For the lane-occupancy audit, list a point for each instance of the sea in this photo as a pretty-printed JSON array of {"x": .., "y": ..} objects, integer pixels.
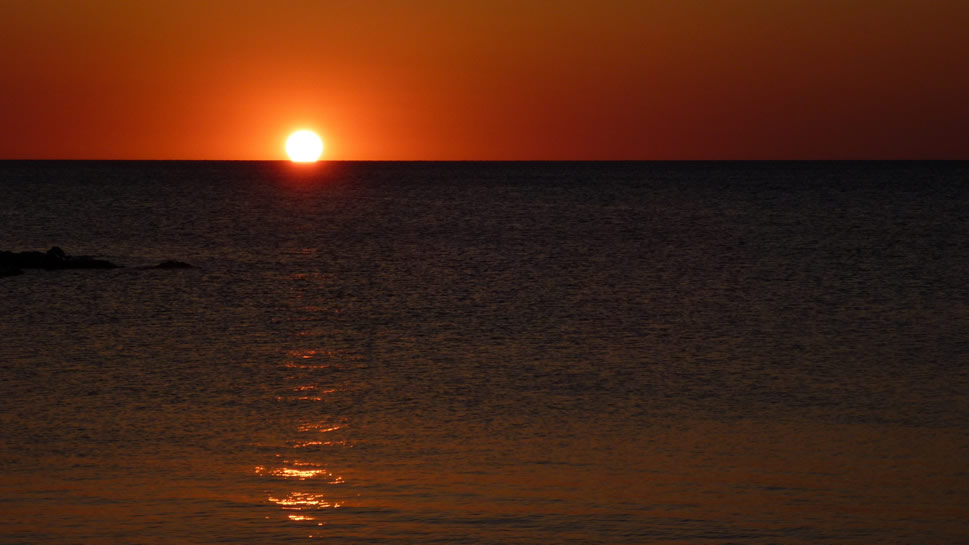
[{"x": 487, "y": 353}]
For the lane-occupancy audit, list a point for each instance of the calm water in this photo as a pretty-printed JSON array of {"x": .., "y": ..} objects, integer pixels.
[{"x": 487, "y": 353}]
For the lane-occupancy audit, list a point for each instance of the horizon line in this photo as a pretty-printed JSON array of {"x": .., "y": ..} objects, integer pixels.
[{"x": 324, "y": 161}]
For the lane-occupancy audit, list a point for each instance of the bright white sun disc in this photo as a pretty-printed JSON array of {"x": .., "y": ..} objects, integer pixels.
[{"x": 304, "y": 146}]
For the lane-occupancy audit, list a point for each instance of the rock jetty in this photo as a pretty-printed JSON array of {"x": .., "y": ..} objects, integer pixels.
[
  {"x": 13, "y": 263},
  {"x": 172, "y": 264}
]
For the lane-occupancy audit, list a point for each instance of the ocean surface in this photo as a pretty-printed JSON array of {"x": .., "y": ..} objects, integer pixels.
[{"x": 487, "y": 353}]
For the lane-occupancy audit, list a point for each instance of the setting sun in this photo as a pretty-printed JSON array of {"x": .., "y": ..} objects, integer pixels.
[{"x": 304, "y": 146}]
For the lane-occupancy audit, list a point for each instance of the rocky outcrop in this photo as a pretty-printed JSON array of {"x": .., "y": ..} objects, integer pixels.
[
  {"x": 172, "y": 264},
  {"x": 13, "y": 263},
  {"x": 9, "y": 271},
  {"x": 52, "y": 259}
]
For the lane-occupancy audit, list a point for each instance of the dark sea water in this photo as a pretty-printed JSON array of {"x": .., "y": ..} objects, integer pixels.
[{"x": 487, "y": 353}]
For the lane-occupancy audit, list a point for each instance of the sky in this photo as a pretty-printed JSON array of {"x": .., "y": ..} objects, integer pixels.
[{"x": 486, "y": 80}]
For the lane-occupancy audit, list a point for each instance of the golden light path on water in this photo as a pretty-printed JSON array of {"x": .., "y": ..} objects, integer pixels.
[{"x": 302, "y": 504}]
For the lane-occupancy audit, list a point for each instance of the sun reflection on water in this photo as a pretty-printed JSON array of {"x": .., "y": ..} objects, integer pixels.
[
  {"x": 299, "y": 501},
  {"x": 301, "y": 471},
  {"x": 320, "y": 427},
  {"x": 310, "y": 378},
  {"x": 320, "y": 397},
  {"x": 300, "y": 504},
  {"x": 318, "y": 359},
  {"x": 307, "y": 444}
]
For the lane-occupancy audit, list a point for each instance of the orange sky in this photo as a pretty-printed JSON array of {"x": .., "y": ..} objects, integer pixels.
[{"x": 490, "y": 79}]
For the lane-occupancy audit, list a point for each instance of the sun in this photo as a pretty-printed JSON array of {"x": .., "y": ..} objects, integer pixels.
[{"x": 304, "y": 146}]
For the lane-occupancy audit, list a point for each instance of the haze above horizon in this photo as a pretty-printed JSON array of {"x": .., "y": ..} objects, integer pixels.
[{"x": 497, "y": 80}]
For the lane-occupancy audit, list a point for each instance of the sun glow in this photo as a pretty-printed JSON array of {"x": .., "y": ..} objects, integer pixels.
[{"x": 304, "y": 146}]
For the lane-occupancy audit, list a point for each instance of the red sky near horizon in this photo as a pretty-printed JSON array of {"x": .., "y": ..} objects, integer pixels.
[{"x": 490, "y": 79}]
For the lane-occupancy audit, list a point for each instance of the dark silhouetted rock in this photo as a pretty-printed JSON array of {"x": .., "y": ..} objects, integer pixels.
[
  {"x": 56, "y": 253},
  {"x": 7, "y": 259},
  {"x": 55, "y": 258},
  {"x": 172, "y": 264},
  {"x": 9, "y": 271},
  {"x": 26, "y": 260}
]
